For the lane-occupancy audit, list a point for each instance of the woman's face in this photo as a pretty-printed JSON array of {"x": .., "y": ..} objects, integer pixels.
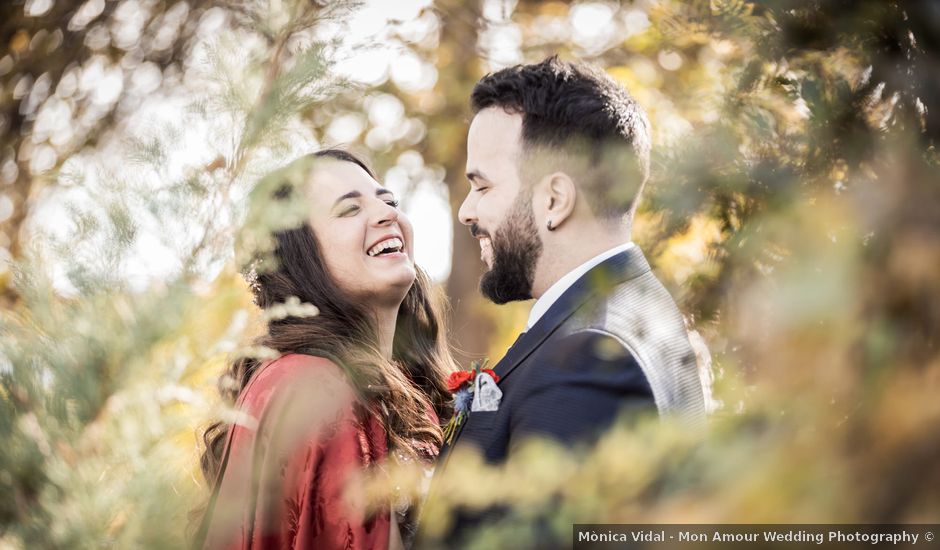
[{"x": 366, "y": 241}]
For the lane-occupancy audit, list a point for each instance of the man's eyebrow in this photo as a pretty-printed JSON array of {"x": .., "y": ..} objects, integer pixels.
[
  {"x": 350, "y": 195},
  {"x": 474, "y": 175}
]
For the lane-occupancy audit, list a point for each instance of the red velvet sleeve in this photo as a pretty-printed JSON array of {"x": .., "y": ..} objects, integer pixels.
[{"x": 285, "y": 483}]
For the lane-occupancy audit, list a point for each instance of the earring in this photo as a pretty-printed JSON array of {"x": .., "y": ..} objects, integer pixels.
[{"x": 549, "y": 226}]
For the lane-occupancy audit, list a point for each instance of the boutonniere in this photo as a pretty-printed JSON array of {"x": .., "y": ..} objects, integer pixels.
[{"x": 466, "y": 387}]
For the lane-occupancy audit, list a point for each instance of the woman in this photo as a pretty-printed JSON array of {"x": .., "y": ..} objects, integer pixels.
[{"x": 361, "y": 379}]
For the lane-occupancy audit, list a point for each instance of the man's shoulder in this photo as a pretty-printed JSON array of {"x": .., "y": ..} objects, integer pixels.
[
  {"x": 580, "y": 353},
  {"x": 642, "y": 316},
  {"x": 636, "y": 312}
]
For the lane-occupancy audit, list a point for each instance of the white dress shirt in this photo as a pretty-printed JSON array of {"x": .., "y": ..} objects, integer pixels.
[{"x": 561, "y": 285}]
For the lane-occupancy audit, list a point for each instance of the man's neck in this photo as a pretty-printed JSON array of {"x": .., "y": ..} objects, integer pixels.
[
  {"x": 560, "y": 286},
  {"x": 561, "y": 257}
]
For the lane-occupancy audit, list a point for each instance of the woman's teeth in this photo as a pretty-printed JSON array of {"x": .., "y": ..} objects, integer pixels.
[{"x": 393, "y": 244}]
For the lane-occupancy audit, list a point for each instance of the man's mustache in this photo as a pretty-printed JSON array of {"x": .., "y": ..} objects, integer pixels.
[{"x": 476, "y": 232}]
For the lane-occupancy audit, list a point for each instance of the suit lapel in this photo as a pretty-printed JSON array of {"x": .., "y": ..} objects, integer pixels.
[{"x": 599, "y": 281}]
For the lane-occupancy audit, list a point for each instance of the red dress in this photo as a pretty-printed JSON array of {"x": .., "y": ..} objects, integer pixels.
[{"x": 289, "y": 460}]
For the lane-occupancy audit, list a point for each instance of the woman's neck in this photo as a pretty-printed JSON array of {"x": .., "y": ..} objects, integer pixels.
[{"x": 385, "y": 325}]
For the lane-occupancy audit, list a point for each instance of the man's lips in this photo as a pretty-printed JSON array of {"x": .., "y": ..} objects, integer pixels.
[
  {"x": 486, "y": 244},
  {"x": 478, "y": 233}
]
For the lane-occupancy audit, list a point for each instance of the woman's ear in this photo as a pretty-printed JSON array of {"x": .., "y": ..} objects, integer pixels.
[{"x": 559, "y": 199}]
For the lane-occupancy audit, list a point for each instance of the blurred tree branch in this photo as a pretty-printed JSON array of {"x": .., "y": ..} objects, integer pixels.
[{"x": 46, "y": 47}]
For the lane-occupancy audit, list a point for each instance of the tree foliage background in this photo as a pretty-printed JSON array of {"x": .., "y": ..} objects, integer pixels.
[{"x": 793, "y": 214}]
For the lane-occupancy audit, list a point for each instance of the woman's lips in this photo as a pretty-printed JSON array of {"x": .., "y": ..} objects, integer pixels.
[{"x": 390, "y": 256}]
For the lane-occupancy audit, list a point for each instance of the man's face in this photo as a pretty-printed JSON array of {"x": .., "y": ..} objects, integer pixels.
[{"x": 498, "y": 209}]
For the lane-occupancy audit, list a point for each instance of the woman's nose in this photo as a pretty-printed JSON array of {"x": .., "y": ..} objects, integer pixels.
[{"x": 386, "y": 214}]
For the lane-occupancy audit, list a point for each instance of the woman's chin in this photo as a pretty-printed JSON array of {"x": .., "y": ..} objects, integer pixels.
[
  {"x": 405, "y": 279},
  {"x": 393, "y": 287}
]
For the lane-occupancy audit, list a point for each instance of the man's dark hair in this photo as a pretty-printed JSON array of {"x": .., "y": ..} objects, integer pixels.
[{"x": 577, "y": 109}]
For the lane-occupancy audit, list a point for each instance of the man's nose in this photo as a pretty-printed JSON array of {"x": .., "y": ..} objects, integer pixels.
[{"x": 467, "y": 214}]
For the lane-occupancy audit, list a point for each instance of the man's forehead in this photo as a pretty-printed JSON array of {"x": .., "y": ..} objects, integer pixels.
[
  {"x": 494, "y": 136},
  {"x": 495, "y": 119}
]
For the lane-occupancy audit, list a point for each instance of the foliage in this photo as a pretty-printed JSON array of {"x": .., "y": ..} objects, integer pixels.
[
  {"x": 106, "y": 376},
  {"x": 792, "y": 214},
  {"x": 68, "y": 71}
]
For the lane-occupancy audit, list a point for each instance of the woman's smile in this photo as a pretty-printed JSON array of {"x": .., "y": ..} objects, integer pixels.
[{"x": 352, "y": 211}]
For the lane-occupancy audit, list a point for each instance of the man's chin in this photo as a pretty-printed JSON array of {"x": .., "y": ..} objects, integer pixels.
[{"x": 500, "y": 291}]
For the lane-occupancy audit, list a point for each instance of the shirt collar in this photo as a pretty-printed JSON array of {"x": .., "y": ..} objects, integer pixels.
[{"x": 561, "y": 285}]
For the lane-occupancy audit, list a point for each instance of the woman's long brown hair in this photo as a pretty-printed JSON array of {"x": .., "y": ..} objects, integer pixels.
[{"x": 399, "y": 392}]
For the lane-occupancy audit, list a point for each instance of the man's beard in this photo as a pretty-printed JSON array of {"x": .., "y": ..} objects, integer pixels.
[{"x": 516, "y": 249}]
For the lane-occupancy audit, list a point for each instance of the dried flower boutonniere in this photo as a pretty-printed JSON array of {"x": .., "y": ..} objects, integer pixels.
[{"x": 462, "y": 384}]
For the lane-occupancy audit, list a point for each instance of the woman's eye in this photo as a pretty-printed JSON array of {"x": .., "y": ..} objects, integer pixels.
[
  {"x": 392, "y": 202},
  {"x": 350, "y": 210}
]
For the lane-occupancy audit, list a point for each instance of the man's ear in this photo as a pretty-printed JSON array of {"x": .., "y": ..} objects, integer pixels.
[{"x": 559, "y": 198}]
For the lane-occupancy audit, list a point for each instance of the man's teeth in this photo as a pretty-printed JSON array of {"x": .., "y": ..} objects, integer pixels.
[
  {"x": 485, "y": 247},
  {"x": 393, "y": 244}
]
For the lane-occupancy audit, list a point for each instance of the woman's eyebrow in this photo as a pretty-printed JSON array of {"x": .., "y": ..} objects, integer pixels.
[
  {"x": 357, "y": 194},
  {"x": 350, "y": 195}
]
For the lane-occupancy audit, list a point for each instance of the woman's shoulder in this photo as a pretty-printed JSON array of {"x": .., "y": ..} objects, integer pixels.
[
  {"x": 293, "y": 366},
  {"x": 304, "y": 376}
]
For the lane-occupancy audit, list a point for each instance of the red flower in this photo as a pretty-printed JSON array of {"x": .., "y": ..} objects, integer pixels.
[{"x": 456, "y": 380}]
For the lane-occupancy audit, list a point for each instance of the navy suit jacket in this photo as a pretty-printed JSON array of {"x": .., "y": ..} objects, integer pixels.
[{"x": 613, "y": 342}]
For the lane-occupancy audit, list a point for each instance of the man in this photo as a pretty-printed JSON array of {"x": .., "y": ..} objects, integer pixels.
[{"x": 557, "y": 155}]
